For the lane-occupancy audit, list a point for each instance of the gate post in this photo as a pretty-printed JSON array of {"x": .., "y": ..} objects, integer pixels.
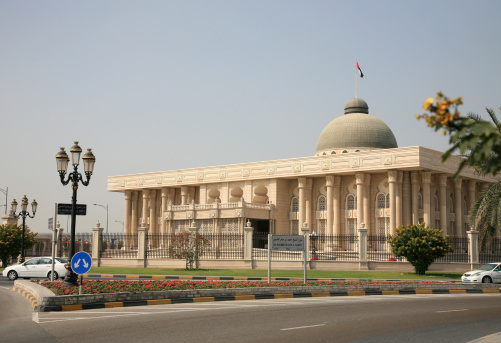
[
  {"x": 473, "y": 248},
  {"x": 248, "y": 232},
  {"x": 362, "y": 248},
  {"x": 59, "y": 240},
  {"x": 97, "y": 244},
  {"x": 193, "y": 230},
  {"x": 142, "y": 244}
]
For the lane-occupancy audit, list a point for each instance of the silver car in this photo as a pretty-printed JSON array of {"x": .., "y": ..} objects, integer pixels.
[{"x": 39, "y": 267}]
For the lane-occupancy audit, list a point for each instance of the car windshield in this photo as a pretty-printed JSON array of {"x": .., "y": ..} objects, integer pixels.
[{"x": 489, "y": 266}]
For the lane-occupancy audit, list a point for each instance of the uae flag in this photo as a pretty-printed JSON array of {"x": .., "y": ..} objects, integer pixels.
[{"x": 360, "y": 70}]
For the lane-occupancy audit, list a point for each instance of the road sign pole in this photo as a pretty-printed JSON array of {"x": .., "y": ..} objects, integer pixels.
[
  {"x": 269, "y": 258},
  {"x": 305, "y": 254}
]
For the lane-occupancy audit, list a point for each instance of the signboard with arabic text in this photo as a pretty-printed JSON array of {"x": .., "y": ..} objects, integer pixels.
[{"x": 287, "y": 242}]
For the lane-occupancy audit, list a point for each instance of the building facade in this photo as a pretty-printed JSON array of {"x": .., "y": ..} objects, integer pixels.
[{"x": 358, "y": 175}]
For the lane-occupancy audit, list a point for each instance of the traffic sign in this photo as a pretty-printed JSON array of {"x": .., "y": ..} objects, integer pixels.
[
  {"x": 81, "y": 262},
  {"x": 66, "y": 209},
  {"x": 51, "y": 224}
]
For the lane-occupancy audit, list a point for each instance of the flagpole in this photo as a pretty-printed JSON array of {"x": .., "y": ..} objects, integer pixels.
[{"x": 356, "y": 83}]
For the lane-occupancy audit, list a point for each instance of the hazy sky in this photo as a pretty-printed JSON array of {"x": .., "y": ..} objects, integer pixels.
[{"x": 161, "y": 85}]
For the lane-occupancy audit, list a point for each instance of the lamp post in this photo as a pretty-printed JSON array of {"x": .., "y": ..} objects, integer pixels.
[
  {"x": 106, "y": 208},
  {"x": 6, "y": 192},
  {"x": 75, "y": 177},
  {"x": 121, "y": 222},
  {"x": 24, "y": 213},
  {"x": 313, "y": 237}
]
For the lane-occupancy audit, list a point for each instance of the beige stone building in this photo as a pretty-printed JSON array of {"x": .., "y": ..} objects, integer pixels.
[{"x": 358, "y": 174}]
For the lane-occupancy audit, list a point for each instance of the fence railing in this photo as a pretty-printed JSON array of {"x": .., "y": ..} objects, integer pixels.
[
  {"x": 118, "y": 245},
  {"x": 492, "y": 251}
]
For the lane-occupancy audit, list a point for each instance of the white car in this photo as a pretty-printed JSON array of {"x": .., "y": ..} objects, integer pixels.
[
  {"x": 490, "y": 273},
  {"x": 37, "y": 267}
]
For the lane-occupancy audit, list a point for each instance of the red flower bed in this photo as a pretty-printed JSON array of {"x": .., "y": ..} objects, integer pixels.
[{"x": 116, "y": 286}]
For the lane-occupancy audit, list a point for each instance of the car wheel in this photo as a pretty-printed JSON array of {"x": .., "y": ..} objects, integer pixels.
[
  {"x": 486, "y": 279},
  {"x": 12, "y": 275},
  {"x": 55, "y": 276}
]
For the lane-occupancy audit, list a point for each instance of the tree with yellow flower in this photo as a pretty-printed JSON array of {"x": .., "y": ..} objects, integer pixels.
[
  {"x": 479, "y": 143},
  {"x": 420, "y": 245},
  {"x": 10, "y": 242}
]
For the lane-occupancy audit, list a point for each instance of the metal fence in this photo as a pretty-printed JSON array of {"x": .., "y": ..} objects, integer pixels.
[
  {"x": 491, "y": 252},
  {"x": 225, "y": 246},
  {"x": 118, "y": 245},
  {"x": 83, "y": 242}
]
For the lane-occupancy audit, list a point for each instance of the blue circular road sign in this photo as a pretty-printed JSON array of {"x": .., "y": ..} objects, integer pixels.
[{"x": 81, "y": 262}]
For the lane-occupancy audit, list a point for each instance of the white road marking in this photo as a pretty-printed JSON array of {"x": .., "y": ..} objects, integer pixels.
[
  {"x": 465, "y": 309},
  {"x": 302, "y": 327}
]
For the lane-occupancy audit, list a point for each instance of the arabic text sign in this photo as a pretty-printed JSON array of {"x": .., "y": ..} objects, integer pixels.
[{"x": 287, "y": 243}]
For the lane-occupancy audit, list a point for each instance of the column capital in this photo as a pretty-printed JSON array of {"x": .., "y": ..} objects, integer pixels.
[
  {"x": 165, "y": 192},
  {"x": 392, "y": 176},
  {"x": 301, "y": 182},
  {"x": 152, "y": 192},
  {"x": 145, "y": 193},
  {"x": 400, "y": 176},
  {"x": 426, "y": 177},
  {"x": 442, "y": 180},
  {"x": 127, "y": 195},
  {"x": 184, "y": 190},
  {"x": 414, "y": 177},
  {"x": 135, "y": 195},
  {"x": 458, "y": 183},
  {"x": 337, "y": 181},
  {"x": 329, "y": 180},
  {"x": 359, "y": 178},
  {"x": 471, "y": 185},
  {"x": 309, "y": 183}
]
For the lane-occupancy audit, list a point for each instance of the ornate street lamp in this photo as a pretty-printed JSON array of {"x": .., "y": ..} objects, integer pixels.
[
  {"x": 75, "y": 177},
  {"x": 23, "y": 213}
]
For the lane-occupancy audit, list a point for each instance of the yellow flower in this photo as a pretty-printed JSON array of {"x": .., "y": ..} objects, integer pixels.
[
  {"x": 428, "y": 103},
  {"x": 418, "y": 116}
]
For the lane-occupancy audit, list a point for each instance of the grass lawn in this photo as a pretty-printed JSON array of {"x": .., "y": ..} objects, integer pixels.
[{"x": 371, "y": 275}]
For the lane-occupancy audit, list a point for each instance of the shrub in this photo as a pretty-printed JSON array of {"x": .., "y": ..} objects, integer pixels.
[{"x": 420, "y": 245}]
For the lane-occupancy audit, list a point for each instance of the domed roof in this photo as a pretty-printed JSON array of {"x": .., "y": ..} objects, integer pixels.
[{"x": 356, "y": 129}]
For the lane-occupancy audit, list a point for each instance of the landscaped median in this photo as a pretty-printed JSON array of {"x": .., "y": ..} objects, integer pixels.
[{"x": 112, "y": 295}]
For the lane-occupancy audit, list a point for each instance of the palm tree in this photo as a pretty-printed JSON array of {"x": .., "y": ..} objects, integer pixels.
[{"x": 485, "y": 215}]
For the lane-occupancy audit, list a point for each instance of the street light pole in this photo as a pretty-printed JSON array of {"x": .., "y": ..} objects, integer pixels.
[
  {"x": 121, "y": 222},
  {"x": 6, "y": 192},
  {"x": 62, "y": 159},
  {"x": 106, "y": 208},
  {"x": 24, "y": 213}
]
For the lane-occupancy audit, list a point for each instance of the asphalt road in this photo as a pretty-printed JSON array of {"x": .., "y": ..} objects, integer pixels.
[{"x": 369, "y": 319}]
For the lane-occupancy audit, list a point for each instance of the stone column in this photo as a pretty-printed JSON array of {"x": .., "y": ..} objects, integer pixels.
[
  {"x": 184, "y": 195},
  {"x": 329, "y": 183},
  {"x": 302, "y": 200},
  {"x": 308, "y": 201},
  {"x": 144, "y": 216},
  {"x": 153, "y": 212},
  {"x": 128, "y": 212},
  {"x": 406, "y": 196},
  {"x": 362, "y": 248},
  {"x": 135, "y": 212},
  {"x": 458, "y": 196},
  {"x": 392, "y": 180},
  {"x": 471, "y": 194},
  {"x": 473, "y": 248},
  {"x": 443, "y": 203},
  {"x": 398, "y": 199},
  {"x": 366, "y": 202},
  {"x": 337, "y": 205},
  {"x": 415, "y": 197},
  {"x": 427, "y": 198},
  {"x": 360, "y": 197},
  {"x": 163, "y": 222},
  {"x": 97, "y": 244}
]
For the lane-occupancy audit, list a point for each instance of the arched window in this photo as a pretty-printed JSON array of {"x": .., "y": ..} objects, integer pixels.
[
  {"x": 322, "y": 205},
  {"x": 351, "y": 203},
  {"x": 451, "y": 204},
  {"x": 295, "y": 205},
  {"x": 387, "y": 201},
  {"x": 381, "y": 200},
  {"x": 437, "y": 208}
]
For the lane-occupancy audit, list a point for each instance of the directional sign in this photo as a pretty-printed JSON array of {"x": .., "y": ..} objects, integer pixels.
[
  {"x": 81, "y": 262},
  {"x": 51, "y": 223},
  {"x": 66, "y": 209}
]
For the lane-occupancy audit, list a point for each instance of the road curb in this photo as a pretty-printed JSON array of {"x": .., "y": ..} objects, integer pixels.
[
  {"x": 27, "y": 295},
  {"x": 256, "y": 297}
]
